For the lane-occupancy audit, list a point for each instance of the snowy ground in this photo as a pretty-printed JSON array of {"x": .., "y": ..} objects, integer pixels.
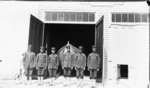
[{"x": 60, "y": 82}]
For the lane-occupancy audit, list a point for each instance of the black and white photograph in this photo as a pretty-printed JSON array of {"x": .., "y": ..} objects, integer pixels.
[{"x": 74, "y": 44}]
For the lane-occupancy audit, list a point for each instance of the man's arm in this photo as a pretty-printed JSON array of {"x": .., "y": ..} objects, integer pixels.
[
  {"x": 72, "y": 61},
  {"x": 88, "y": 61},
  {"x": 46, "y": 61},
  {"x": 84, "y": 61},
  {"x": 57, "y": 61},
  {"x": 36, "y": 61},
  {"x": 62, "y": 60}
]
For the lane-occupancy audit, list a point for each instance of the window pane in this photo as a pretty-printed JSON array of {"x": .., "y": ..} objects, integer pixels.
[
  {"x": 85, "y": 16},
  {"x": 131, "y": 17},
  {"x": 144, "y": 17},
  {"x": 54, "y": 16},
  {"x": 72, "y": 15},
  {"x": 91, "y": 17},
  {"x": 113, "y": 17},
  {"x": 124, "y": 17},
  {"x": 48, "y": 16},
  {"x": 137, "y": 17},
  {"x": 118, "y": 17},
  {"x": 60, "y": 16},
  {"x": 78, "y": 16}
]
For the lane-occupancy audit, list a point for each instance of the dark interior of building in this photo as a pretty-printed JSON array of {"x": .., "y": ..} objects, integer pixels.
[{"x": 77, "y": 34}]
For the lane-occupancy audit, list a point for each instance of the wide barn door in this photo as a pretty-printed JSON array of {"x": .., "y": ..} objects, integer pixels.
[
  {"x": 35, "y": 33},
  {"x": 99, "y": 45}
]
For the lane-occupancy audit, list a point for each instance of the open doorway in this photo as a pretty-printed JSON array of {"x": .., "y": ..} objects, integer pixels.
[
  {"x": 57, "y": 34},
  {"x": 77, "y": 34}
]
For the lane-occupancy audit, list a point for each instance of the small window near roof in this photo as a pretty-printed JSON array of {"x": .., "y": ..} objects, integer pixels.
[
  {"x": 124, "y": 17},
  {"x": 118, "y": 17},
  {"x": 113, "y": 17},
  {"x": 144, "y": 17},
  {"x": 137, "y": 17},
  {"x": 122, "y": 71},
  {"x": 131, "y": 17}
]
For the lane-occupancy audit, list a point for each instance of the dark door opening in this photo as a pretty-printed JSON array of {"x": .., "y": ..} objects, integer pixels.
[{"x": 77, "y": 34}]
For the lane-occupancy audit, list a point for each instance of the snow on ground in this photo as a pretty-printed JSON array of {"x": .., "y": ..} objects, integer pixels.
[{"x": 60, "y": 82}]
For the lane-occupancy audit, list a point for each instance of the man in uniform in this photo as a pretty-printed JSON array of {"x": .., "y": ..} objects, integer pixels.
[
  {"x": 80, "y": 63},
  {"x": 29, "y": 62},
  {"x": 93, "y": 63},
  {"x": 41, "y": 63},
  {"x": 53, "y": 63},
  {"x": 67, "y": 62}
]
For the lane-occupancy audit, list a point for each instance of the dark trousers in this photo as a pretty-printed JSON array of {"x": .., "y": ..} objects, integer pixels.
[
  {"x": 52, "y": 72},
  {"x": 93, "y": 73},
  {"x": 28, "y": 72},
  {"x": 79, "y": 73},
  {"x": 67, "y": 72},
  {"x": 41, "y": 71}
]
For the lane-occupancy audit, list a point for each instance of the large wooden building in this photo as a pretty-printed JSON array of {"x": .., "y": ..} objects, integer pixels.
[{"x": 120, "y": 31}]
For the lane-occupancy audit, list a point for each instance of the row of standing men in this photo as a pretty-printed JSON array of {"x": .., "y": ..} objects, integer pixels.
[{"x": 68, "y": 61}]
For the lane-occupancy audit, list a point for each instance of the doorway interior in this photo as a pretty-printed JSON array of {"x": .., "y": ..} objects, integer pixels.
[
  {"x": 57, "y": 34},
  {"x": 77, "y": 34}
]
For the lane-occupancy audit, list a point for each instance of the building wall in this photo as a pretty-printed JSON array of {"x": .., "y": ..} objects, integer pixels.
[
  {"x": 14, "y": 29},
  {"x": 122, "y": 44},
  {"x": 128, "y": 43}
]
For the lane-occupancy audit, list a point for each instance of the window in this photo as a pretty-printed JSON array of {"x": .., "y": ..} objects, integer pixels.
[
  {"x": 122, "y": 71},
  {"x": 137, "y": 17},
  {"x": 70, "y": 16},
  {"x": 130, "y": 17},
  {"x": 124, "y": 18},
  {"x": 118, "y": 17},
  {"x": 144, "y": 17},
  {"x": 113, "y": 18}
]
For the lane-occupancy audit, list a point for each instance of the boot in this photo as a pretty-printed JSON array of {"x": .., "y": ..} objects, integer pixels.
[
  {"x": 30, "y": 78},
  {"x": 42, "y": 78},
  {"x": 39, "y": 78}
]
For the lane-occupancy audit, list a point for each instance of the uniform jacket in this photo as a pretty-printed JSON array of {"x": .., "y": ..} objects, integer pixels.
[
  {"x": 80, "y": 60},
  {"x": 53, "y": 61},
  {"x": 29, "y": 60},
  {"x": 93, "y": 61},
  {"x": 67, "y": 60},
  {"x": 41, "y": 60}
]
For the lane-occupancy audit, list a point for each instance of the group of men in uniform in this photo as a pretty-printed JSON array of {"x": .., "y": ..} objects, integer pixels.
[{"x": 68, "y": 61}]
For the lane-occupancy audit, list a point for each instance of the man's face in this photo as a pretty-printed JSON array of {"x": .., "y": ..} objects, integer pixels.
[
  {"x": 93, "y": 49},
  {"x": 80, "y": 50},
  {"x": 53, "y": 51},
  {"x": 41, "y": 50}
]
